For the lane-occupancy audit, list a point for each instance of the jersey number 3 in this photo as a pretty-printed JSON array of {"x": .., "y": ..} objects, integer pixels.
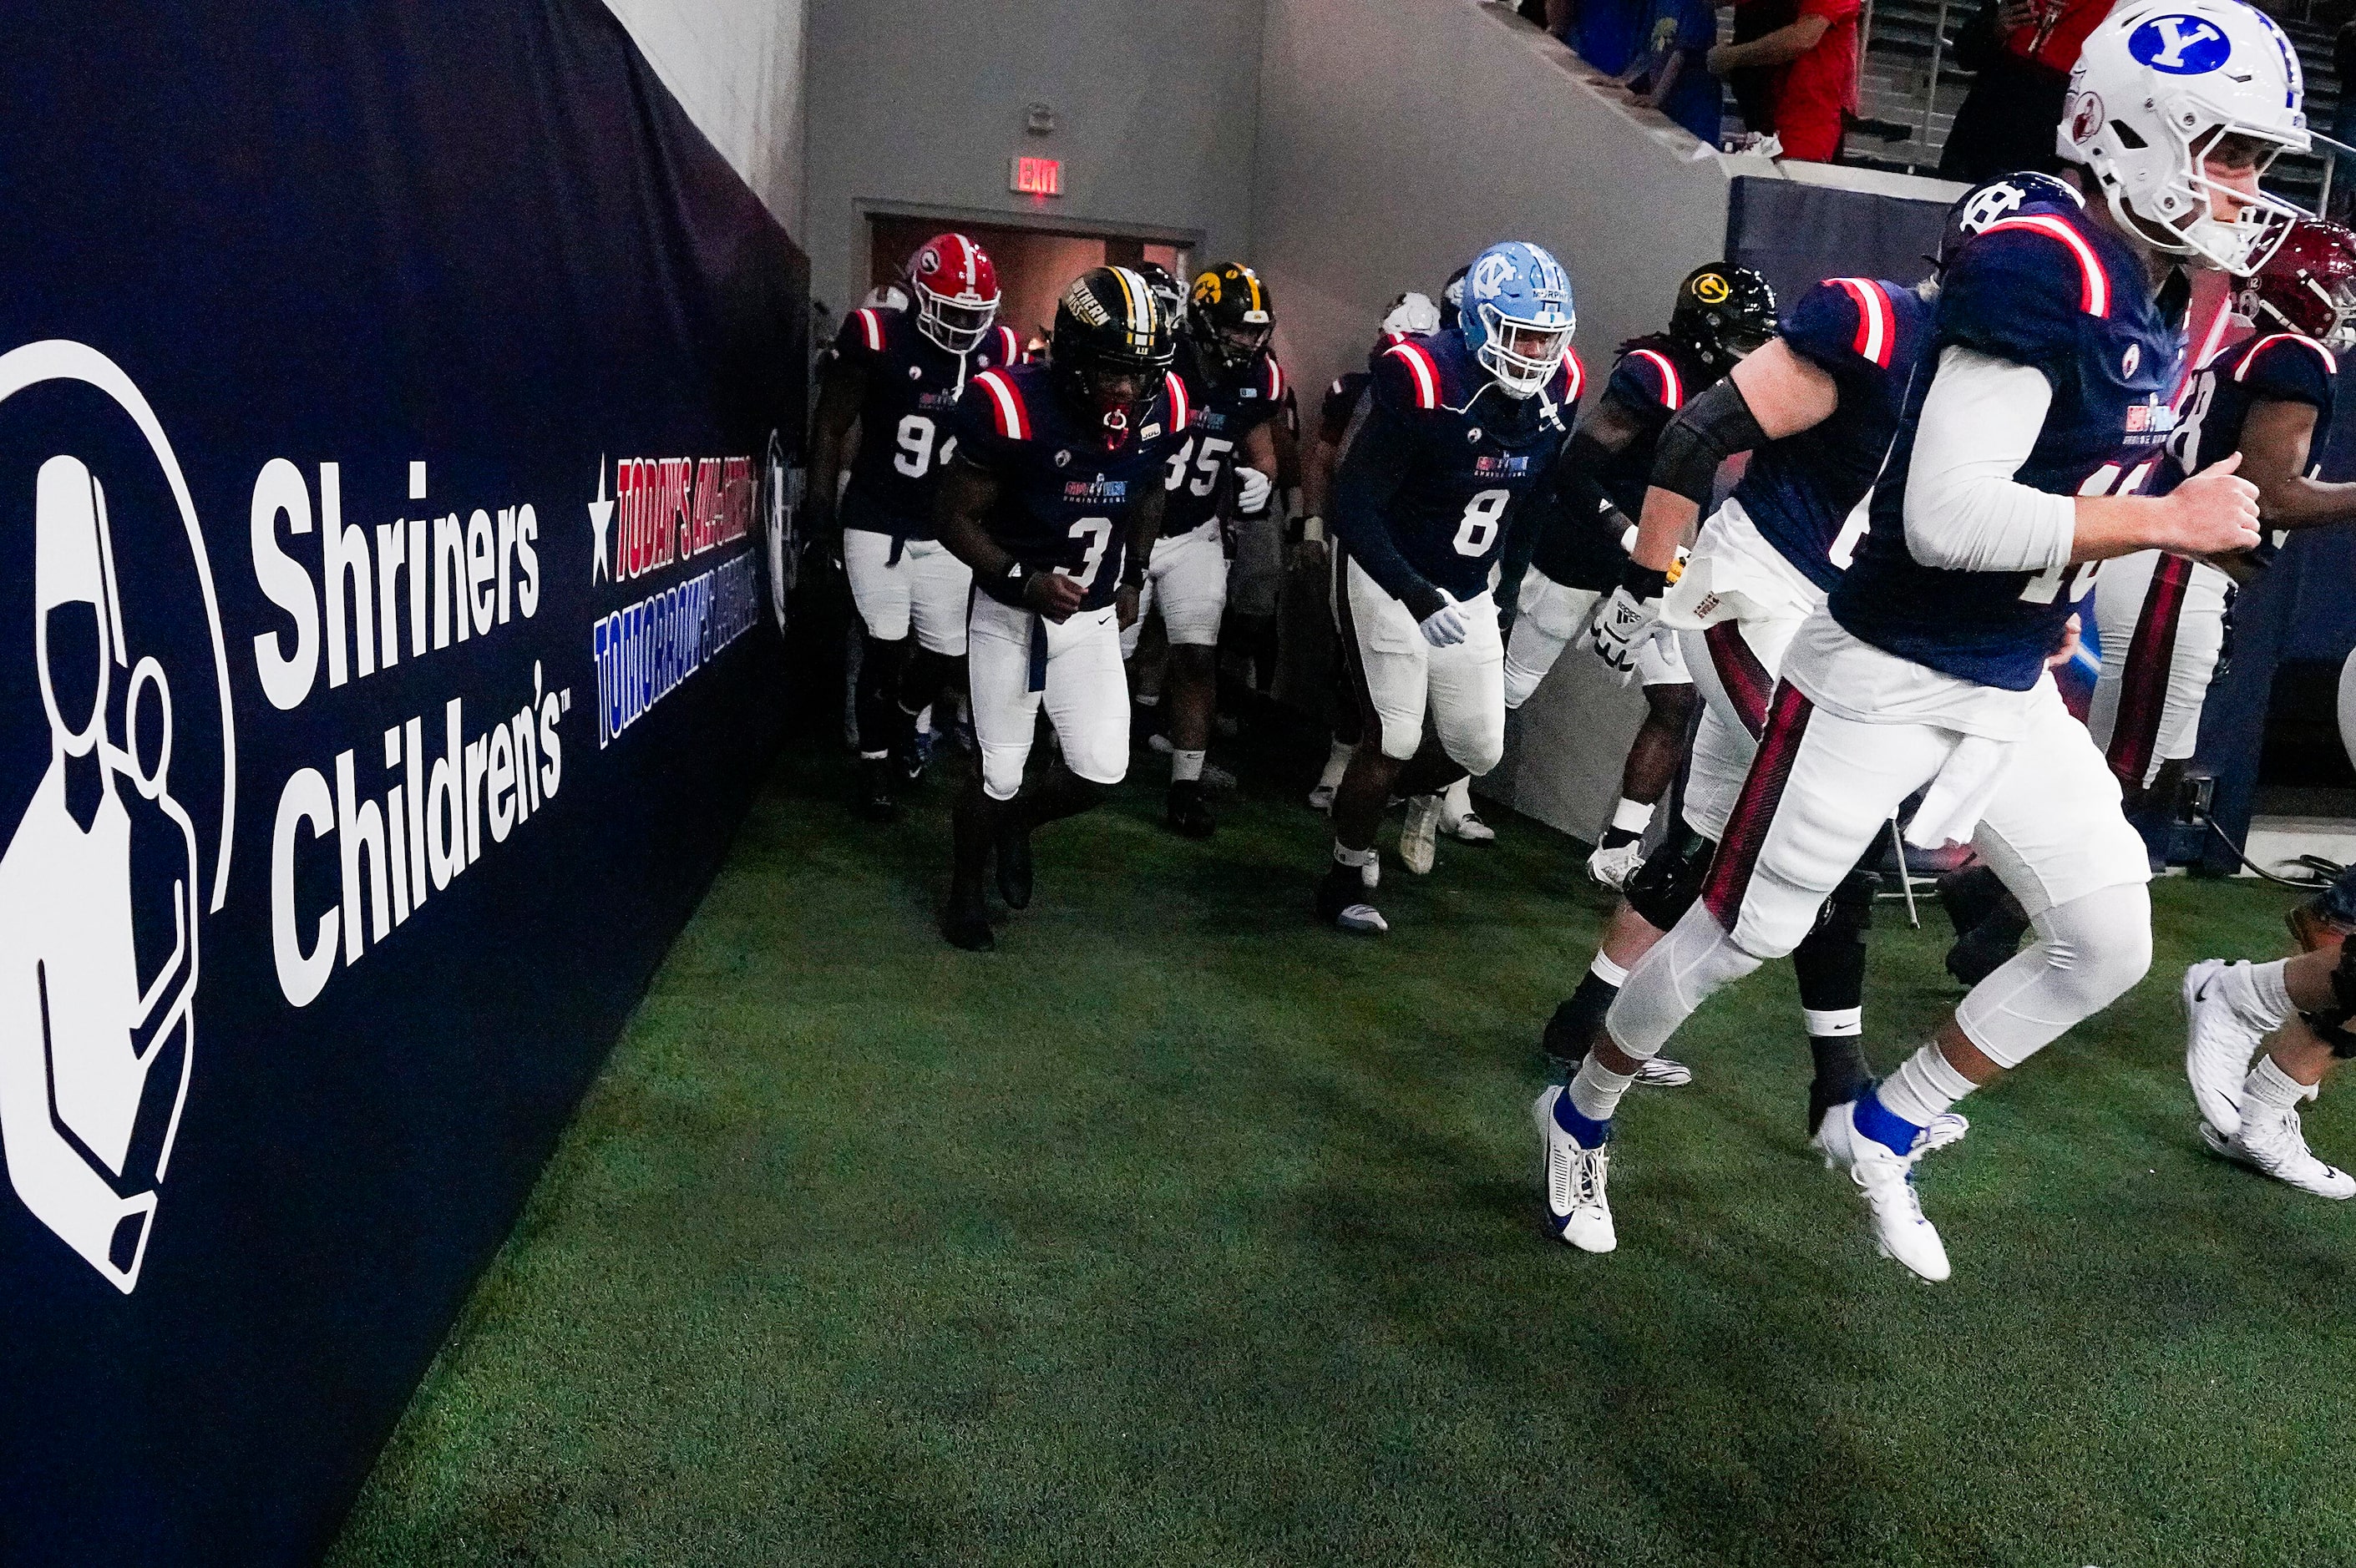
[{"x": 1477, "y": 532}]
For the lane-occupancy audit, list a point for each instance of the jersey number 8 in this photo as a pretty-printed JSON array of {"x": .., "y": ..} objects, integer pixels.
[{"x": 1477, "y": 532}]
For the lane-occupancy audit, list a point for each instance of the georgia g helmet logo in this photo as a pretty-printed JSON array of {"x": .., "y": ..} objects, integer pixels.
[{"x": 104, "y": 878}]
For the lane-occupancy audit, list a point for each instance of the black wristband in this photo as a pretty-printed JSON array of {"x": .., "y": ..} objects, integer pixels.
[
  {"x": 1423, "y": 602},
  {"x": 1642, "y": 583},
  {"x": 1007, "y": 586}
]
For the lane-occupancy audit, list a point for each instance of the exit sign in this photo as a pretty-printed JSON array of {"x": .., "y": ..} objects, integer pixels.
[{"x": 1035, "y": 176}]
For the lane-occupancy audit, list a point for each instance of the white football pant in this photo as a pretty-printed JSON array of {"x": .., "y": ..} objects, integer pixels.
[
  {"x": 1187, "y": 580},
  {"x": 1087, "y": 693},
  {"x": 1548, "y": 618},
  {"x": 2149, "y": 713},
  {"x": 927, "y": 587},
  {"x": 1400, "y": 674}
]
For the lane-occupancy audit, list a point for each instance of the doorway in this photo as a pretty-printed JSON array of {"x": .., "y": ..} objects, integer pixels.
[{"x": 1033, "y": 265}]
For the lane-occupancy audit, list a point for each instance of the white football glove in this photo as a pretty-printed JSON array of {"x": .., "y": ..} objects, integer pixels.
[
  {"x": 1252, "y": 491},
  {"x": 1447, "y": 626},
  {"x": 1622, "y": 624}
]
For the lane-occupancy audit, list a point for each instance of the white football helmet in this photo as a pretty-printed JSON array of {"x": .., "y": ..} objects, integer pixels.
[
  {"x": 2158, "y": 85},
  {"x": 1412, "y": 314}
]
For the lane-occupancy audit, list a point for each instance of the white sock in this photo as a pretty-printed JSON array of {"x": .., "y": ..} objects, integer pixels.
[
  {"x": 1149, "y": 699},
  {"x": 1924, "y": 1084},
  {"x": 1605, "y": 970},
  {"x": 1338, "y": 762},
  {"x": 1460, "y": 799},
  {"x": 1595, "y": 1089},
  {"x": 2267, "y": 1001},
  {"x": 1186, "y": 765},
  {"x": 873, "y": 757},
  {"x": 2268, "y": 1084},
  {"x": 1346, "y": 856},
  {"x": 1632, "y": 816}
]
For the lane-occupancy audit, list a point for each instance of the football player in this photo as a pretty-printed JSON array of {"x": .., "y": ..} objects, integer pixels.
[
  {"x": 1410, "y": 315},
  {"x": 1723, "y": 312},
  {"x": 2250, "y": 1113},
  {"x": 1816, "y": 407},
  {"x": 2267, "y": 397},
  {"x": 1223, "y": 470},
  {"x": 1456, "y": 428},
  {"x": 2027, "y": 441},
  {"x": 893, "y": 379},
  {"x": 1053, "y": 500}
]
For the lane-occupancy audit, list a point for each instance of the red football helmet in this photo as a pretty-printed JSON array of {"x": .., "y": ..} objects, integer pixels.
[
  {"x": 2307, "y": 286},
  {"x": 956, "y": 292}
]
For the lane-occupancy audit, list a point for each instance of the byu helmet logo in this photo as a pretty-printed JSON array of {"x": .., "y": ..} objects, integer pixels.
[{"x": 2180, "y": 46}]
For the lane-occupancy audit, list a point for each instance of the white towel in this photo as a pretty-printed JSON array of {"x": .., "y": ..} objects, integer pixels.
[{"x": 1967, "y": 782}]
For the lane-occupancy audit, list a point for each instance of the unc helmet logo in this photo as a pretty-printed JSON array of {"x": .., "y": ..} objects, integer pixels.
[
  {"x": 1495, "y": 270},
  {"x": 120, "y": 791},
  {"x": 2180, "y": 46}
]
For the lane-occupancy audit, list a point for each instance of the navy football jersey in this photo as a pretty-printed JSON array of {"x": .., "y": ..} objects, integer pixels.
[
  {"x": 2046, "y": 288},
  {"x": 1467, "y": 454},
  {"x": 2278, "y": 366},
  {"x": 1063, "y": 502},
  {"x": 912, "y": 386},
  {"x": 1341, "y": 400},
  {"x": 1653, "y": 378},
  {"x": 1807, "y": 493},
  {"x": 1218, "y": 418}
]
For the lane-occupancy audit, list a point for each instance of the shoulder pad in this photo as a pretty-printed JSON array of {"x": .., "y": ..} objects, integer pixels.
[
  {"x": 2297, "y": 355},
  {"x": 2094, "y": 280},
  {"x": 1653, "y": 375},
  {"x": 1010, "y": 345},
  {"x": 1412, "y": 367},
  {"x": 1574, "y": 376},
  {"x": 864, "y": 330},
  {"x": 1008, "y": 411}
]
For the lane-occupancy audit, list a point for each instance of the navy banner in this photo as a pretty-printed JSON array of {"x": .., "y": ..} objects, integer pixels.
[{"x": 395, "y": 403}]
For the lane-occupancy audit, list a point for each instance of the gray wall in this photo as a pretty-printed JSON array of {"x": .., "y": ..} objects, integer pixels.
[
  {"x": 735, "y": 65},
  {"x": 920, "y": 102}
]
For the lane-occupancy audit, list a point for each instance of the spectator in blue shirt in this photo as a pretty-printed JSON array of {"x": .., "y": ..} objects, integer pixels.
[
  {"x": 1666, "y": 71},
  {"x": 1603, "y": 33}
]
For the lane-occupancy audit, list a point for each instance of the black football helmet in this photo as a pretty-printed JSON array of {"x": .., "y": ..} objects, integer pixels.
[
  {"x": 1111, "y": 345},
  {"x": 1451, "y": 297},
  {"x": 1228, "y": 317},
  {"x": 1168, "y": 290},
  {"x": 1987, "y": 202},
  {"x": 1723, "y": 312}
]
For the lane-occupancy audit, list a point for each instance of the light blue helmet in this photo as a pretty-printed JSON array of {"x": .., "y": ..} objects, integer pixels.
[{"x": 1517, "y": 317}]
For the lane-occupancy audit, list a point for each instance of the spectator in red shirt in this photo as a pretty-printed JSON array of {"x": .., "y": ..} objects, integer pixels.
[
  {"x": 2023, "y": 51},
  {"x": 1818, "y": 90}
]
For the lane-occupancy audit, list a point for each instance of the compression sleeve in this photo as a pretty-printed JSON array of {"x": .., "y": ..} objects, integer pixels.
[
  {"x": 1964, "y": 511},
  {"x": 1706, "y": 432},
  {"x": 1374, "y": 465}
]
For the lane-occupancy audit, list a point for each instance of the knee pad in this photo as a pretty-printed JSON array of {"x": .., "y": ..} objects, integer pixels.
[
  {"x": 1666, "y": 884},
  {"x": 1001, "y": 771},
  {"x": 1848, "y": 909},
  {"x": 2090, "y": 952},
  {"x": 1670, "y": 982},
  {"x": 1477, "y": 753},
  {"x": 2330, "y": 1023}
]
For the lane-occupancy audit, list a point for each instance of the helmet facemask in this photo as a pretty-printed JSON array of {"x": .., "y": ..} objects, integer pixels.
[
  {"x": 2173, "y": 204},
  {"x": 957, "y": 326},
  {"x": 1521, "y": 354}
]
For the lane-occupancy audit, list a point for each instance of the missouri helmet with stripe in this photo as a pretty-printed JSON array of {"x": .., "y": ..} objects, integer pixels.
[
  {"x": 1112, "y": 344},
  {"x": 1229, "y": 316},
  {"x": 956, "y": 292},
  {"x": 1723, "y": 312}
]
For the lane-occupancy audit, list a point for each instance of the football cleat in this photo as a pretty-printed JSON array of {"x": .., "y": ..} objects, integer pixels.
[
  {"x": 1416, "y": 845},
  {"x": 965, "y": 921},
  {"x": 1614, "y": 863},
  {"x": 1184, "y": 810},
  {"x": 1579, "y": 1210},
  {"x": 1341, "y": 902},
  {"x": 1885, "y": 1179},
  {"x": 2271, "y": 1142},
  {"x": 1014, "y": 878},
  {"x": 875, "y": 801},
  {"x": 1469, "y": 827},
  {"x": 1321, "y": 797},
  {"x": 2220, "y": 1038}
]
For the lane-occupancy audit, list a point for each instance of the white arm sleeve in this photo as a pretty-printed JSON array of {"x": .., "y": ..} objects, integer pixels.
[{"x": 1964, "y": 510}]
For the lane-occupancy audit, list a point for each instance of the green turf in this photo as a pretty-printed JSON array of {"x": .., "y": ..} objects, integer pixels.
[{"x": 1180, "y": 1232}]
